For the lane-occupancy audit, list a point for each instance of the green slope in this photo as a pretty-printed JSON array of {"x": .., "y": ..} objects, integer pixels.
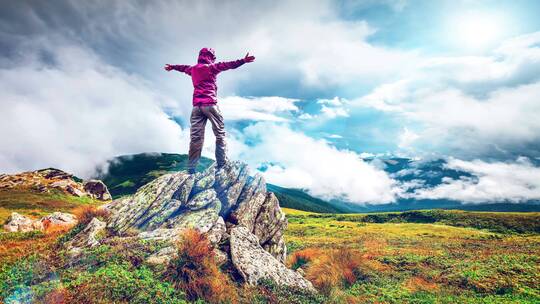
[{"x": 300, "y": 200}]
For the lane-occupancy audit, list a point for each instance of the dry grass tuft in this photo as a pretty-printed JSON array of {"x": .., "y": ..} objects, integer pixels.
[
  {"x": 85, "y": 214},
  {"x": 335, "y": 269},
  {"x": 196, "y": 273},
  {"x": 303, "y": 257}
]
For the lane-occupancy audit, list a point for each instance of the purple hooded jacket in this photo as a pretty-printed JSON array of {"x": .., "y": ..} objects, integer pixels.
[{"x": 203, "y": 75}]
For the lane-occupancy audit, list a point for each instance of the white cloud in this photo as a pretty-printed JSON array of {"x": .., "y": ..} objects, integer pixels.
[
  {"x": 470, "y": 105},
  {"x": 333, "y": 112},
  {"x": 406, "y": 138},
  {"x": 77, "y": 113},
  {"x": 257, "y": 108},
  {"x": 306, "y": 116},
  {"x": 299, "y": 161},
  {"x": 336, "y": 101},
  {"x": 516, "y": 182},
  {"x": 336, "y": 136}
]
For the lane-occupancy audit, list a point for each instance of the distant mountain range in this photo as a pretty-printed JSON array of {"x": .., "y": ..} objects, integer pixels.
[{"x": 125, "y": 174}]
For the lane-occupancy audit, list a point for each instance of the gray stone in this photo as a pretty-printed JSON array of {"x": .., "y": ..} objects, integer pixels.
[
  {"x": 163, "y": 256},
  {"x": 97, "y": 189},
  {"x": 88, "y": 237},
  {"x": 202, "y": 199},
  {"x": 59, "y": 220},
  {"x": 147, "y": 204},
  {"x": 254, "y": 263},
  {"x": 216, "y": 233}
]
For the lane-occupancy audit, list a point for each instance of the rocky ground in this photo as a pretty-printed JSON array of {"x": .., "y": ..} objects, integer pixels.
[{"x": 50, "y": 179}]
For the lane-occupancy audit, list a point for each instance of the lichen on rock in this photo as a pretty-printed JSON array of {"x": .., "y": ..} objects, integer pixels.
[{"x": 216, "y": 202}]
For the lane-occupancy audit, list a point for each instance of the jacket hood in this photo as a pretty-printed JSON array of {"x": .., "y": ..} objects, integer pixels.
[{"x": 206, "y": 56}]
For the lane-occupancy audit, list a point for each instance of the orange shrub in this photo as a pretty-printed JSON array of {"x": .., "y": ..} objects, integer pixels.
[{"x": 196, "y": 273}]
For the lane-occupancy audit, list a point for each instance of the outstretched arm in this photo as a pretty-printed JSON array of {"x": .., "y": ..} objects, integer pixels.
[
  {"x": 180, "y": 68},
  {"x": 223, "y": 66}
]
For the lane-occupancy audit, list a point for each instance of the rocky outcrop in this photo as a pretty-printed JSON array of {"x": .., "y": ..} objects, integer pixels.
[
  {"x": 216, "y": 202},
  {"x": 204, "y": 201},
  {"x": 47, "y": 180},
  {"x": 55, "y": 221},
  {"x": 254, "y": 263}
]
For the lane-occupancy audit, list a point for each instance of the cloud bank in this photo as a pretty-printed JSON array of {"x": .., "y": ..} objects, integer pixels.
[{"x": 77, "y": 113}]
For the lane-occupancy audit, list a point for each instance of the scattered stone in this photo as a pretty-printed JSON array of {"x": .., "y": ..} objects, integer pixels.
[{"x": 20, "y": 223}]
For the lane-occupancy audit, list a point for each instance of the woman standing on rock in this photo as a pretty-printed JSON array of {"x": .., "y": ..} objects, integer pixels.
[{"x": 203, "y": 76}]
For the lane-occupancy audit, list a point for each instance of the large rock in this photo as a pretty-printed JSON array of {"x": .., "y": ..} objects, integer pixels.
[
  {"x": 254, "y": 263},
  {"x": 215, "y": 202}
]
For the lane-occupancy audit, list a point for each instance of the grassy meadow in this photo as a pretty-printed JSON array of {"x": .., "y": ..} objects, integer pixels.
[
  {"x": 430, "y": 256},
  {"x": 401, "y": 258}
]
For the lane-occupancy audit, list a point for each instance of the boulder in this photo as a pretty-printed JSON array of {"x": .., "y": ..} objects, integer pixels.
[
  {"x": 20, "y": 223},
  {"x": 97, "y": 190},
  {"x": 254, "y": 263}
]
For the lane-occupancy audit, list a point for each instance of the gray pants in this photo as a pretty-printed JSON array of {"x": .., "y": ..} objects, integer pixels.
[{"x": 199, "y": 116}]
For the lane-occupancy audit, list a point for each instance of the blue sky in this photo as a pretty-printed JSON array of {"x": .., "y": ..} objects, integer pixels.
[{"x": 334, "y": 82}]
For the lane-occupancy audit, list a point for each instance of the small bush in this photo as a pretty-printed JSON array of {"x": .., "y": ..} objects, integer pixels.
[{"x": 196, "y": 273}]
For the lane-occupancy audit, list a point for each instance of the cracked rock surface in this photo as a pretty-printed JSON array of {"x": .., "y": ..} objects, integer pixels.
[{"x": 242, "y": 220}]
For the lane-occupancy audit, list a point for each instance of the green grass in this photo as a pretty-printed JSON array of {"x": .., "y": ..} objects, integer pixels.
[
  {"x": 429, "y": 256},
  {"x": 502, "y": 222}
]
